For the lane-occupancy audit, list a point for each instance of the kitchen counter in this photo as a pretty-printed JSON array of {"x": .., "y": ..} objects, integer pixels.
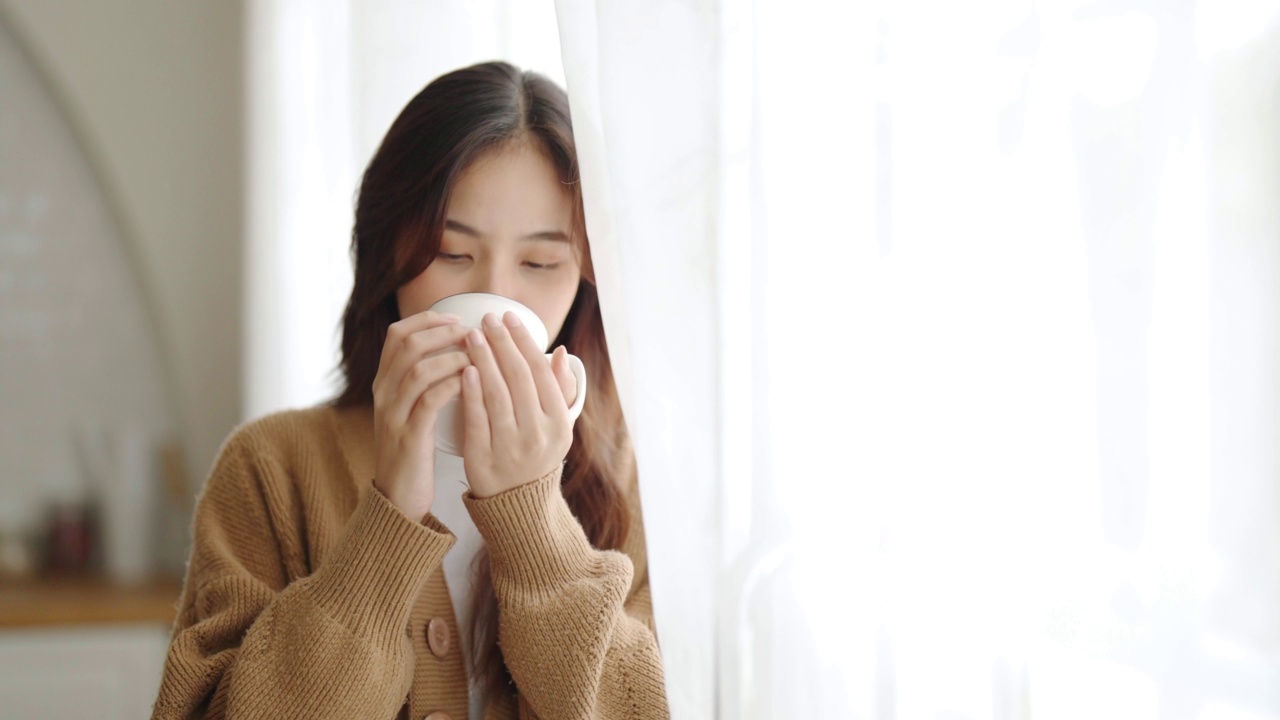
[{"x": 48, "y": 602}]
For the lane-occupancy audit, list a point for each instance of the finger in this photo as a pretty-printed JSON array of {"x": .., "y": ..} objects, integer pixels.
[
  {"x": 545, "y": 385},
  {"x": 427, "y": 407},
  {"x": 424, "y": 374},
  {"x": 497, "y": 400},
  {"x": 475, "y": 419},
  {"x": 418, "y": 346},
  {"x": 516, "y": 367},
  {"x": 564, "y": 375},
  {"x": 401, "y": 329}
]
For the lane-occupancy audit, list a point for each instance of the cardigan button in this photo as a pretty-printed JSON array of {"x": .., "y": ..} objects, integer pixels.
[
  {"x": 438, "y": 641},
  {"x": 438, "y": 715}
]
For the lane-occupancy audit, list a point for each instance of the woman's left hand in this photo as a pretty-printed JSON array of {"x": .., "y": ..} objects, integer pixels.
[{"x": 515, "y": 407}]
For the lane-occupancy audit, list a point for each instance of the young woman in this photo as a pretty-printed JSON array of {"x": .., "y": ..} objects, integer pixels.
[{"x": 338, "y": 570}]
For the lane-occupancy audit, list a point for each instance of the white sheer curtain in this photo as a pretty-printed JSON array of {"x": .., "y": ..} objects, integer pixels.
[{"x": 948, "y": 337}]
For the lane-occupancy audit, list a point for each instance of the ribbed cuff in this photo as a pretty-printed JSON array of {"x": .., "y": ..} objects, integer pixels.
[
  {"x": 534, "y": 539},
  {"x": 374, "y": 573}
]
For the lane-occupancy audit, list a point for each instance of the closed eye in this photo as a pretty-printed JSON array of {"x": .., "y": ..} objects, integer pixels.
[
  {"x": 453, "y": 258},
  {"x": 542, "y": 266}
]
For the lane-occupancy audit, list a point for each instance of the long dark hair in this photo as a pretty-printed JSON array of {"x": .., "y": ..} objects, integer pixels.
[{"x": 400, "y": 215}]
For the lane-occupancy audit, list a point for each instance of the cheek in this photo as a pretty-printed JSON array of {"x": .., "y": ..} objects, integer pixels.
[
  {"x": 422, "y": 292},
  {"x": 554, "y": 306}
]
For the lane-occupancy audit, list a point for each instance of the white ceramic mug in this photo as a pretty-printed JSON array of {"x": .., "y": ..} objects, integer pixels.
[{"x": 472, "y": 307}]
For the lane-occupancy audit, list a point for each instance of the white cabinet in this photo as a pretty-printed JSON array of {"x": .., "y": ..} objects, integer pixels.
[{"x": 74, "y": 673}]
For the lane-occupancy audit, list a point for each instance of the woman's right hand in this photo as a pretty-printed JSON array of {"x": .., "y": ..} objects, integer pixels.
[{"x": 408, "y": 392}]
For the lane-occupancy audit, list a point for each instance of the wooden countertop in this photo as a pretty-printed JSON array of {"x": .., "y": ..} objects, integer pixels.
[{"x": 49, "y": 602}]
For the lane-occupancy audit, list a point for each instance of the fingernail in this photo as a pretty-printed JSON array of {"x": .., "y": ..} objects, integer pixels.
[
  {"x": 511, "y": 319},
  {"x": 492, "y": 320},
  {"x": 470, "y": 375},
  {"x": 475, "y": 337},
  {"x": 451, "y": 318}
]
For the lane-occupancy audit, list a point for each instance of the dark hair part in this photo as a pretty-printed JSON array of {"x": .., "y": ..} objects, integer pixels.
[{"x": 400, "y": 215}]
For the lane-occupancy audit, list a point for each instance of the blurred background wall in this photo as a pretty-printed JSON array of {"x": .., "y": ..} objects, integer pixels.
[
  {"x": 155, "y": 92},
  {"x": 121, "y": 342}
]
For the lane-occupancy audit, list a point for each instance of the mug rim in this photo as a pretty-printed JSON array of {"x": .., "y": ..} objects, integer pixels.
[{"x": 540, "y": 332}]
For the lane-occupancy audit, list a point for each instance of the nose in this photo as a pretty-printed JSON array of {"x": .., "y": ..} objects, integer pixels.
[{"x": 494, "y": 280}]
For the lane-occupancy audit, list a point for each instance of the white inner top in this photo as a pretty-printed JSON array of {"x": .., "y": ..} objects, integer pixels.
[{"x": 448, "y": 509}]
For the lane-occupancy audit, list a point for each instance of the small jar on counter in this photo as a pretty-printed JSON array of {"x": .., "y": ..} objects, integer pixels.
[{"x": 69, "y": 533}]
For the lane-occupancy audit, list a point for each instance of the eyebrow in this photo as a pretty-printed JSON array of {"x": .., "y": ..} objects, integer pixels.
[{"x": 555, "y": 235}]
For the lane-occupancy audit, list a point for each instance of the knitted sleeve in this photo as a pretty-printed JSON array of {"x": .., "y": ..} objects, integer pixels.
[
  {"x": 576, "y": 632},
  {"x": 250, "y": 643}
]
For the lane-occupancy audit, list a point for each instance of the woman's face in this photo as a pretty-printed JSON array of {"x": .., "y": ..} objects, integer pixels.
[{"x": 507, "y": 232}]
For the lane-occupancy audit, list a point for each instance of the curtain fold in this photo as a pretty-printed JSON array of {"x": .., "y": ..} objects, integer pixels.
[
  {"x": 647, "y": 71},
  {"x": 949, "y": 341}
]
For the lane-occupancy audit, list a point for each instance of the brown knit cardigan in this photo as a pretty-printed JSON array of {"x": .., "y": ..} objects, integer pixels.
[{"x": 309, "y": 595}]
